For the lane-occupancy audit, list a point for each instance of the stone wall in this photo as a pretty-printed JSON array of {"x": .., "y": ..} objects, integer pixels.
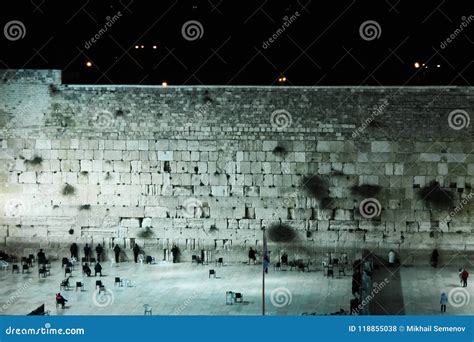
[{"x": 207, "y": 167}]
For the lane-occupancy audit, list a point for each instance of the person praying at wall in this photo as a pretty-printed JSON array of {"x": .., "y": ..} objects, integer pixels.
[
  {"x": 252, "y": 255},
  {"x": 136, "y": 251},
  {"x": 434, "y": 258},
  {"x": 41, "y": 257},
  {"x": 87, "y": 252},
  {"x": 175, "y": 252},
  {"x": 117, "y": 253},
  {"x": 73, "y": 250},
  {"x": 443, "y": 301},
  {"x": 99, "y": 250},
  {"x": 284, "y": 259}
]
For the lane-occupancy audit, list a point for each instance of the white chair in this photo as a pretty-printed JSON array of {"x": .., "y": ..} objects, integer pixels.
[
  {"x": 4, "y": 265},
  {"x": 147, "y": 309}
]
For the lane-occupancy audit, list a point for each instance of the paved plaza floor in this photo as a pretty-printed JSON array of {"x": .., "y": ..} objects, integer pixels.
[{"x": 186, "y": 289}]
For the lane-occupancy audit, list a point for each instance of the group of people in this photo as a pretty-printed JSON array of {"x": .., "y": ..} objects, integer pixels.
[{"x": 74, "y": 249}]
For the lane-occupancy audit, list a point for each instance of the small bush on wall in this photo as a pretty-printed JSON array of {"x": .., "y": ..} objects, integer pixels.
[
  {"x": 435, "y": 196},
  {"x": 68, "y": 190},
  {"x": 365, "y": 190},
  {"x": 281, "y": 232}
]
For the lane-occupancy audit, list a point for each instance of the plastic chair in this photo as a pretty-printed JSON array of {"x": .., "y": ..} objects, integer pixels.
[
  {"x": 118, "y": 281},
  {"x": 238, "y": 297},
  {"x": 220, "y": 262},
  {"x": 15, "y": 268},
  {"x": 212, "y": 272},
  {"x": 80, "y": 285},
  {"x": 147, "y": 309}
]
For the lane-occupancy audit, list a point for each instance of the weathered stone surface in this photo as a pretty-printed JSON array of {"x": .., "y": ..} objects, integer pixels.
[{"x": 157, "y": 165}]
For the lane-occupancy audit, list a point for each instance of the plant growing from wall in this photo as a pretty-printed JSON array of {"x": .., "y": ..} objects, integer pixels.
[
  {"x": 36, "y": 160},
  {"x": 213, "y": 229},
  {"x": 315, "y": 186},
  {"x": 281, "y": 232},
  {"x": 280, "y": 151},
  {"x": 68, "y": 190},
  {"x": 365, "y": 190},
  {"x": 85, "y": 207},
  {"x": 145, "y": 233}
]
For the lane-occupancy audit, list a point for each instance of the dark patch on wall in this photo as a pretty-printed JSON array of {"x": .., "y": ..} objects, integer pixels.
[
  {"x": 435, "y": 196},
  {"x": 365, "y": 190},
  {"x": 315, "y": 186},
  {"x": 281, "y": 232}
]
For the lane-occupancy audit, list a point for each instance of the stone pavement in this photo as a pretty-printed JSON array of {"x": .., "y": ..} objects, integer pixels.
[{"x": 186, "y": 289}]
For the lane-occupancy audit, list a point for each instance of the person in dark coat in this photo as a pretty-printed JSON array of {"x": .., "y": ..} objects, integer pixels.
[
  {"x": 41, "y": 257},
  {"x": 73, "y": 250},
  {"x": 87, "y": 252},
  {"x": 98, "y": 269},
  {"x": 434, "y": 258},
  {"x": 87, "y": 270},
  {"x": 252, "y": 255},
  {"x": 175, "y": 252},
  {"x": 117, "y": 253},
  {"x": 136, "y": 251},
  {"x": 99, "y": 250},
  {"x": 464, "y": 276}
]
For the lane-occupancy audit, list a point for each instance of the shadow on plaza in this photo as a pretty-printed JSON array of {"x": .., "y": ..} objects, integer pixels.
[{"x": 389, "y": 298}]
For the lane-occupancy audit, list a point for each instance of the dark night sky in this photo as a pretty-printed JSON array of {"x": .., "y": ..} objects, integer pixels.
[{"x": 322, "y": 46}]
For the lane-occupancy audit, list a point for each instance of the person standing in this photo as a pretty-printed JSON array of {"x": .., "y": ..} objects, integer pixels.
[
  {"x": 136, "y": 251},
  {"x": 464, "y": 276},
  {"x": 99, "y": 250},
  {"x": 41, "y": 257},
  {"x": 434, "y": 258},
  {"x": 73, "y": 250},
  {"x": 252, "y": 255},
  {"x": 87, "y": 252},
  {"x": 443, "y": 301},
  {"x": 117, "y": 253},
  {"x": 175, "y": 252}
]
